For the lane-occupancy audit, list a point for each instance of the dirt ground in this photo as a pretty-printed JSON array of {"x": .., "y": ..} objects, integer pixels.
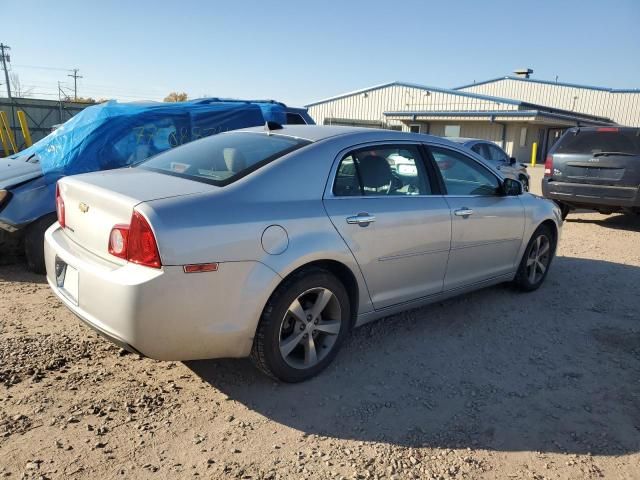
[{"x": 495, "y": 384}]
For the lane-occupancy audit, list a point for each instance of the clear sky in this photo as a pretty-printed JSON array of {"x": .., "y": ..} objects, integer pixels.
[{"x": 301, "y": 51}]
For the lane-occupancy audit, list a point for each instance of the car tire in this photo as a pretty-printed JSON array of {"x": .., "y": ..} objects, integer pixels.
[
  {"x": 535, "y": 263},
  {"x": 282, "y": 324},
  {"x": 34, "y": 243},
  {"x": 525, "y": 182}
]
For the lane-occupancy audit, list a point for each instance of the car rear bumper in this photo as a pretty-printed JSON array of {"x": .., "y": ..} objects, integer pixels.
[
  {"x": 163, "y": 313},
  {"x": 595, "y": 195}
]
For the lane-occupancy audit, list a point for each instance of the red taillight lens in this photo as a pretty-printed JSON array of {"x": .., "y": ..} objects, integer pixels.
[
  {"x": 608, "y": 129},
  {"x": 548, "y": 166},
  {"x": 135, "y": 243},
  {"x": 141, "y": 245},
  {"x": 60, "y": 207}
]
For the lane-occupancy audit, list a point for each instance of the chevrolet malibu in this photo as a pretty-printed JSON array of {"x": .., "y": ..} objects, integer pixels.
[{"x": 274, "y": 242}]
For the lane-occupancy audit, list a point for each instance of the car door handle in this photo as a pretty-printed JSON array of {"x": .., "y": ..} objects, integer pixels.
[
  {"x": 463, "y": 212},
  {"x": 362, "y": 219}
]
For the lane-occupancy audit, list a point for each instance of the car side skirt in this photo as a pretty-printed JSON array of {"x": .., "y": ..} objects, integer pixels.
[{"x": 421, "y": 302}]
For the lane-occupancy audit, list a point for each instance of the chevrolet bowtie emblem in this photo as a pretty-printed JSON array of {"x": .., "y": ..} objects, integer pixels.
[{"x": 84, "y": 208}]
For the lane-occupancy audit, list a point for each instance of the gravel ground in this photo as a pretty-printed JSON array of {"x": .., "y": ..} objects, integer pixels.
[{"x": 495, "y": 384}]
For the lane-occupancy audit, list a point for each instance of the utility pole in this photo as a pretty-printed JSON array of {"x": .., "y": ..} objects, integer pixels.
[
  {"x": 5, "y": 58},
  {"x": 75, "y": 77}
]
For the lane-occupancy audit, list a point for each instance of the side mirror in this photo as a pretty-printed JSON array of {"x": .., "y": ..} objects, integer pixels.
[
  {"x": 511, "y": 187},
  {"x": 512, "y": 161}
]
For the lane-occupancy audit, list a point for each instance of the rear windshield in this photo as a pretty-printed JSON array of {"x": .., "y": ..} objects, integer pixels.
[
  {"x": 600, "y": 141},
  {"x": 222, "y": 159}
]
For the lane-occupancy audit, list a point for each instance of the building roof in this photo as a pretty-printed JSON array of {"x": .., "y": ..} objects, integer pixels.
[
  {"x": 508, "y": 101},
  {"x": 568, "y": 116},
  {"x": 550, "y": 82}
]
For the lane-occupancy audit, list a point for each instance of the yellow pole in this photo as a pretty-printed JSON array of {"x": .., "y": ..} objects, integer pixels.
[
  {"x": 22, "y": 118},
  {"x": 534, "y": 153},
  {"x": 5, "y": 123},
  {"x": 5, "y": 145}
]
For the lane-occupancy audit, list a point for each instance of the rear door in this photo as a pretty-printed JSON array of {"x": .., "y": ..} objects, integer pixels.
[
  {"x": 387, "y": 208},
  {"x": 602, "y": 156},
  {"x": 487, "y": 226}
]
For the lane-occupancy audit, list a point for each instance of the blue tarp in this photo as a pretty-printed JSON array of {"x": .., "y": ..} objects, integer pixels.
[{"x": 113, "y": 135}]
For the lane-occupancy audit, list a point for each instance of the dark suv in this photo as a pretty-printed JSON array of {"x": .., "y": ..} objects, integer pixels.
[{"x": 596, "y": 168}]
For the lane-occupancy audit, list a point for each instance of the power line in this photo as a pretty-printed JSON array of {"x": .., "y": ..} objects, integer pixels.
[{"x": 43, "y": 68}]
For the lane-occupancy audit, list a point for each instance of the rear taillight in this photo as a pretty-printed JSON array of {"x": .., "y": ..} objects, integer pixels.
[
  {"x": 548, "y": 166},
  {"x": 135, "y": 243},
  {"x": 607, "y": 129},
  {"x": 60, "y": 207}
]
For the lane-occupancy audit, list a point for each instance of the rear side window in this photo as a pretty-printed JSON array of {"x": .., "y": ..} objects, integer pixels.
[
  {"x": 295, "y": 119},
  {"x": 382, "y": 170},
  {"x": 222, "y": 159},
  {"x": 600, "y": 141}
]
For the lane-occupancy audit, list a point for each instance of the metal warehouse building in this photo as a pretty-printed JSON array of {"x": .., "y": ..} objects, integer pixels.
[{"x": 513, "y": 111}]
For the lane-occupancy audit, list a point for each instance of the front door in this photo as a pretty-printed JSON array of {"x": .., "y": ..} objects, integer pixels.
[
  {"x": 487, "y": 226},
  {"x": 382, "y": 205}
]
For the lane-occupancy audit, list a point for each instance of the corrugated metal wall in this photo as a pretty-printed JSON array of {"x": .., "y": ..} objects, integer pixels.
[
  {"x": 370, "y": 105},
  {"x": 41, "y": 115},
  {"x": 623, "y": 108}
]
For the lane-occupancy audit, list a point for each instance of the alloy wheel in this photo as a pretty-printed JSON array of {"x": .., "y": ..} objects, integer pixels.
[
  {"x": 310, "y": 328},
  {"x": 538, "y": 259}
]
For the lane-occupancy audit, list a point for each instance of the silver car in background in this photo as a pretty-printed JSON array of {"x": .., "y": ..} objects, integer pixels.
[
  {"x": 497, "y": 158},
  {"x": 274, "y": 242}
]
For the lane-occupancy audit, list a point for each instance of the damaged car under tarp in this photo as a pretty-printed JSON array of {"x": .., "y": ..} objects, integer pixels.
[{"x": 103, "y": 137}]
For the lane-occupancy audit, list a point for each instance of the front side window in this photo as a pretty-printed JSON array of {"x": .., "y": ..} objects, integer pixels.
[
  {"x": 222, "y": 159},
  {"x": 463, "y": 175},
  {"x": 382, "y": 170}
]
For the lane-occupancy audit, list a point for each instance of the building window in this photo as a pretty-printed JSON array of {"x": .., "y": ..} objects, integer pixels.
[
  {"x": 452, "y": 130},
  {"x": 523, "y": 137},
  {"x": 415, "y": 128}
]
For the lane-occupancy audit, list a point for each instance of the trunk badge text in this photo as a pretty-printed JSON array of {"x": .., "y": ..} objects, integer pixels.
[{"x": 84, "y": 208}]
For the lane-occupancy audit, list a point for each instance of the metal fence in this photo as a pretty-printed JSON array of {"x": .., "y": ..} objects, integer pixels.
[{"x": 41, "y": 115}]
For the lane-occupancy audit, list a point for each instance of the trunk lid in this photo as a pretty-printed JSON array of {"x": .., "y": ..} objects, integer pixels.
[
  {"x": 601, "y": 156},
  {"x": 96, "y": 202}
]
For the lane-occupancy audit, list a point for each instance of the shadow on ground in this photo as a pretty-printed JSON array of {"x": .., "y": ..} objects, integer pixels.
[
  {"x": 17, "y": 271},
  {"x": 557, "y": 370},
  {"x": 630, "y": 223}
]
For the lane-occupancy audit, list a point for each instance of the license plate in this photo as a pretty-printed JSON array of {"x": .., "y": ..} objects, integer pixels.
[{"x": 67, "y": 280}]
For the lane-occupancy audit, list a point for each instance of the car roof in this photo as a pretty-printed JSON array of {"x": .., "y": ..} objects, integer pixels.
[
  {"x": 316, "y": 133},
  {"x": 465, "y": 140}
]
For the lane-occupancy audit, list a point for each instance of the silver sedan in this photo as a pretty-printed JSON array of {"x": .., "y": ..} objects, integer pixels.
[{"x": 274, "y": 242}]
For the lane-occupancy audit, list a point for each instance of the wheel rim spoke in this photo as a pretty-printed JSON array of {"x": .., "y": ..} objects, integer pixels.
[
  {"x": 290, "y": 343},
  {"x": 321, "y": 302},
  {"x": 310, "y": 355},
  {"x": 297, "y": 311},
  {"x": 331, "y": 327},
  {"x": 544, "y": 249},
  {"x": 542, "y": 267},
  {"x": 532, "y": 274}
]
